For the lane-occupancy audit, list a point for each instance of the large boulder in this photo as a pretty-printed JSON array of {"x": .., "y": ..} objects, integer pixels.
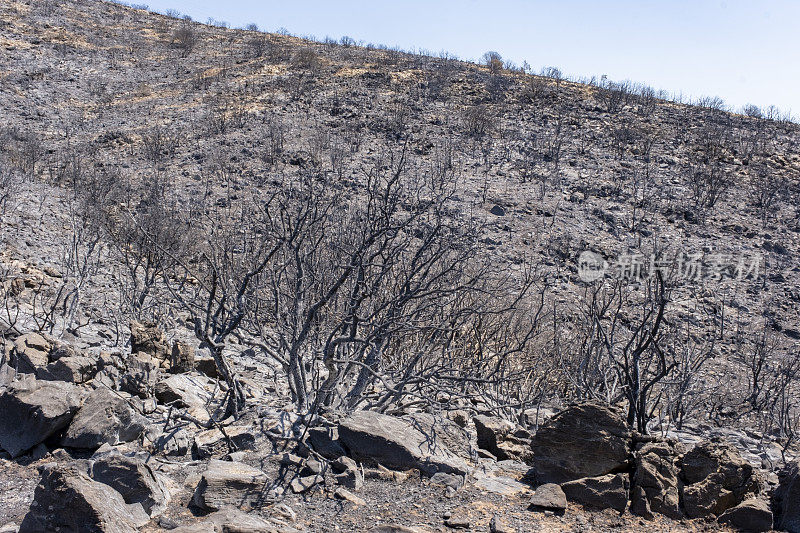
[
  {"x": 716, "y": 479},
  {"x": 395, "y": 443},
  {"x": 752, "y": 515},
  {"x": 31, "y": 411},
  {"x": 549, "y": 497},
  {"x": 134, "y": 480},
  {"x": 585, "y": 440},
  {"x": 655, "y": 480},
  {"x": 31, "y": 353},
  {"x": 230, "y": 484},
  {"x": 149, "y": 339},
  {"x": 67, "y": 500},
  {"x": 604, "y": 492},
  {"x": 51, "y": 360},
  {"x": 183, "y": 390},
  {"x": 72, "y": 369},
  {"x": 786, "y": 499},
  {"x": 104, "y": 418}
]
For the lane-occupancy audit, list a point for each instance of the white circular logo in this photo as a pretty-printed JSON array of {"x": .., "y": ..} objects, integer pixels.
[{"x": 591, "y": 266}]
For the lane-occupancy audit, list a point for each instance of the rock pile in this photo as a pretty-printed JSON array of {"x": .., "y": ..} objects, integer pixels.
[
  {"x": 33, "y": 411},
  {"x": 114, "y": 406},
  {"x": 598, "y": 462}
]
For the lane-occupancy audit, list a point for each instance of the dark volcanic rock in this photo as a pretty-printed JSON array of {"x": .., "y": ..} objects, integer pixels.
[
  {"x": 549, "y": 497},
  {"x": 655, "y": 480},
  {"x": 134, "y": 480},
  {"x": 103, "y": 418},
  {"x": 717, "y": 478},
  {"x": 395, "y": 443},
  {"x": 786, "y": 499},
  {"x": 750, "y": 515},
  {"x": 606, "y": 492},
  {"x": 585, "y": 440},
  {"x": 34, "y": 410},
  {"x": 68, "y": 501}
]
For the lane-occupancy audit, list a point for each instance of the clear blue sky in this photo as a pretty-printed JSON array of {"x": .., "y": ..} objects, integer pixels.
[{"x": 742, "y": 51}]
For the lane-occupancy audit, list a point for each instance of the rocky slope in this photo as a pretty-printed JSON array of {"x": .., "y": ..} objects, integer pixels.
[
  {"x": 118, "y": 442},
  {"x": 113, "y": 424},
  {"x": 548, "y": 168}
]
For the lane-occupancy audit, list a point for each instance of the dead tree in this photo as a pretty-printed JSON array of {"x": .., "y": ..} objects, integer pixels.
[
  {"x": 365, "y": 302},
  {"x": 148, "y": 239},
  {"x": 622, "y": 357},
  {"x": 215, "y": 284},
  {"x": 687, "y": 393},
  {"x": 185, "y": 37},
  {"x": 356, "y": 276},
  {"x": 362, "y": 299},
  {"x": 9, "y": 186}
]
